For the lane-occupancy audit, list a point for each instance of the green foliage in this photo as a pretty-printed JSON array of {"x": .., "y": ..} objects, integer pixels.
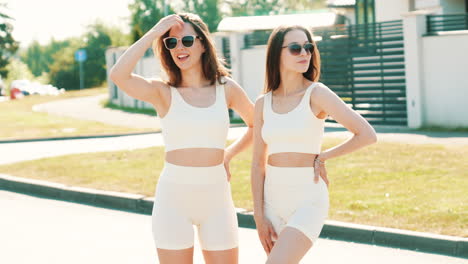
[
  {"x": 33, "y": 57},
  {"x": 208, "y": 10},
  {"x": 98, "y": 40},
  {"x": 272, "y": 7},
  {"x": 39, "y": 57},
  {"x": 303, "y": 5},
  {"x": 8, "y": 46},
  {"x": 144, "y": 15},
  {"x": 64, "y": 70},
  {"x": 17, "y": 70},
  {"x": 255, "y": 7},
  {"x": 118, "y": 39}
]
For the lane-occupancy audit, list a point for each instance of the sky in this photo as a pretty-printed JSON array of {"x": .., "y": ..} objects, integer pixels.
[{"x": 43, "y": 19}]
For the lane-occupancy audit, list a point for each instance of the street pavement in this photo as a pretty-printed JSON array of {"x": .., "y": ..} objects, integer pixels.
[
  {"x": 21, "y": 151},
  {"x": 44, "y": 231}
]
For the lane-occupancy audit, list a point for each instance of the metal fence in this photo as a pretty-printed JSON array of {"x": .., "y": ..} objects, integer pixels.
[
  {"x": 364, "y": 65},
  {"x": 441, "y": 23}
]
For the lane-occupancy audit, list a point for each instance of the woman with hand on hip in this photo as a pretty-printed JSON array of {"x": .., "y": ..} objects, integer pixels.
[
  {"x": 193, "y": 188},
  {"x": 290, "y": 191}
]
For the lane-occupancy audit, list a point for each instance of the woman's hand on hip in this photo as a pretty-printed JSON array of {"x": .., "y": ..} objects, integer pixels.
[
  {"x": 228, "y": 171},
  {"x": 320, "y": 170}
]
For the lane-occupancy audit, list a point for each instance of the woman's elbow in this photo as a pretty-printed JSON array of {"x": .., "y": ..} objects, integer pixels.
[
  {"x": 113, "y": 75},
  {"x": 366, "y": 135},
  {"x": 370, "y": 136}
]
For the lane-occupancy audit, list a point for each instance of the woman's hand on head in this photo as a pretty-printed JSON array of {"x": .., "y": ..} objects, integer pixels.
[{"x": 166, "y": 23}]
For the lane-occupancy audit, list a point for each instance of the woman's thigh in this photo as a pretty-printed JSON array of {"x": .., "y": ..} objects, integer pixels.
[
  {"x": 290, "y": 247},
  {"x": 168, "y": 256},
  {"x": 229, "y": 256}
]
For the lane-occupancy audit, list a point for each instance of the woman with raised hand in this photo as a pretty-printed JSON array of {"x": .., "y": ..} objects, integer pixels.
[
  {"x": 193, "y": 188},
  {"x": 289, "y": 181}
]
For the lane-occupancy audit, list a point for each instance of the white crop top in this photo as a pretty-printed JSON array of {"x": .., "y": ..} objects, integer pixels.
[
  {"x": 188, "y": 126},
  {"x": 296, "y": 131}
]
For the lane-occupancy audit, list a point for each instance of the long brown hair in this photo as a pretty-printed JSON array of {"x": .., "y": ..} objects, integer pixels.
[
  {"x": 213, "y": 68},
  {"x": 275, "y": 43}
]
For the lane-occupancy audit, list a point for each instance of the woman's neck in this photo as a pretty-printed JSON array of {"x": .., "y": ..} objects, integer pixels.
[
  {"x": 194, "y": 77},
  {"x": 290, "y": 83}
]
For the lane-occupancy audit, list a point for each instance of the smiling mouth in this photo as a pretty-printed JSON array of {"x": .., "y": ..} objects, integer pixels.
[{"x": 183, "y": 57}]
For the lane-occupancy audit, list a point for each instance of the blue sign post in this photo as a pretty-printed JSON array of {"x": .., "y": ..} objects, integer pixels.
[{"x": 80, "y": 56}]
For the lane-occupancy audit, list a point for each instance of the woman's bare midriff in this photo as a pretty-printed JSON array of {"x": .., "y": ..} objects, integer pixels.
[
  {"x": 291, "y": 159},
  {"x": 195, "y": 157}
]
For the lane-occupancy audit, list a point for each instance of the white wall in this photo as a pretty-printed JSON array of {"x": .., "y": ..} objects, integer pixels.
[
  {"x": 253, "y": 71},
  {"x": 453, "y": 6},
  {"x": 427, "y": 4},
  {"x": 441, "y": 7},
  {"x": 351, "y": 15},
  {"x": 387, "y": 10},
  {"x": 445, "y": 91},
  {"x": 147, "y": 67}
]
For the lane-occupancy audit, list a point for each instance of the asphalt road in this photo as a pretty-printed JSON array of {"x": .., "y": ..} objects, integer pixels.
[{"x": 37, "y": 230}]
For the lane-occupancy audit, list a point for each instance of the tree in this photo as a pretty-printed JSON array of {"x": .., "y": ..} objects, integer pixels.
[
  {"x": 64, "y": 70},
  {"x": 304, "y": 5},
  {"x": 8, "y": 46},
  {"x": 39, "y": 57},
  {"x": 97, "y": 41},
  {"x": 208, "y": 10},
  {"x": 272, "y": 7},
  {"x": 255, "y": 7},
  {"x": 117, "y": 38},
  {"x": 57, "y": 59},
  {"x": 18, "y": 70},
  {"x": 35, "y": 57},
  {"x": 144, "y": 15}
]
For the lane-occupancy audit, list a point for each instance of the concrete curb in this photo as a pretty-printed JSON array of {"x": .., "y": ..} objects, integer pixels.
[
  {"x": 6, "y": 141},
  {"x": 332, "y": 127},
  {"x": 75, "y": 137},
  {"x": 389, "y": 237}
]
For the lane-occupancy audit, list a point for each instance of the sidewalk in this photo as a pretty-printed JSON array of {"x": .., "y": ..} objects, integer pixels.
[
  {"x": 89, "y": 108},
  {"x": 15, "y": 152}
]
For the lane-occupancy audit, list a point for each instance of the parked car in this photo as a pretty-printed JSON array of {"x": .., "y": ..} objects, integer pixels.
[
  {"x": 2, "y": 87},
  {"x": 17, "y": 87},
  {"x": 20, "y": 88}
]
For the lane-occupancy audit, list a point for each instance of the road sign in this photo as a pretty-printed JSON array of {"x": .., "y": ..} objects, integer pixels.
[{"x": 80, "y": 55}]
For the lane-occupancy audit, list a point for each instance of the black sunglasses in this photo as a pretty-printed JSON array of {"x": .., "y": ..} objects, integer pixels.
[
  {"x": 295, "y": 48},
  {"x": 187, "y": 41}
]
